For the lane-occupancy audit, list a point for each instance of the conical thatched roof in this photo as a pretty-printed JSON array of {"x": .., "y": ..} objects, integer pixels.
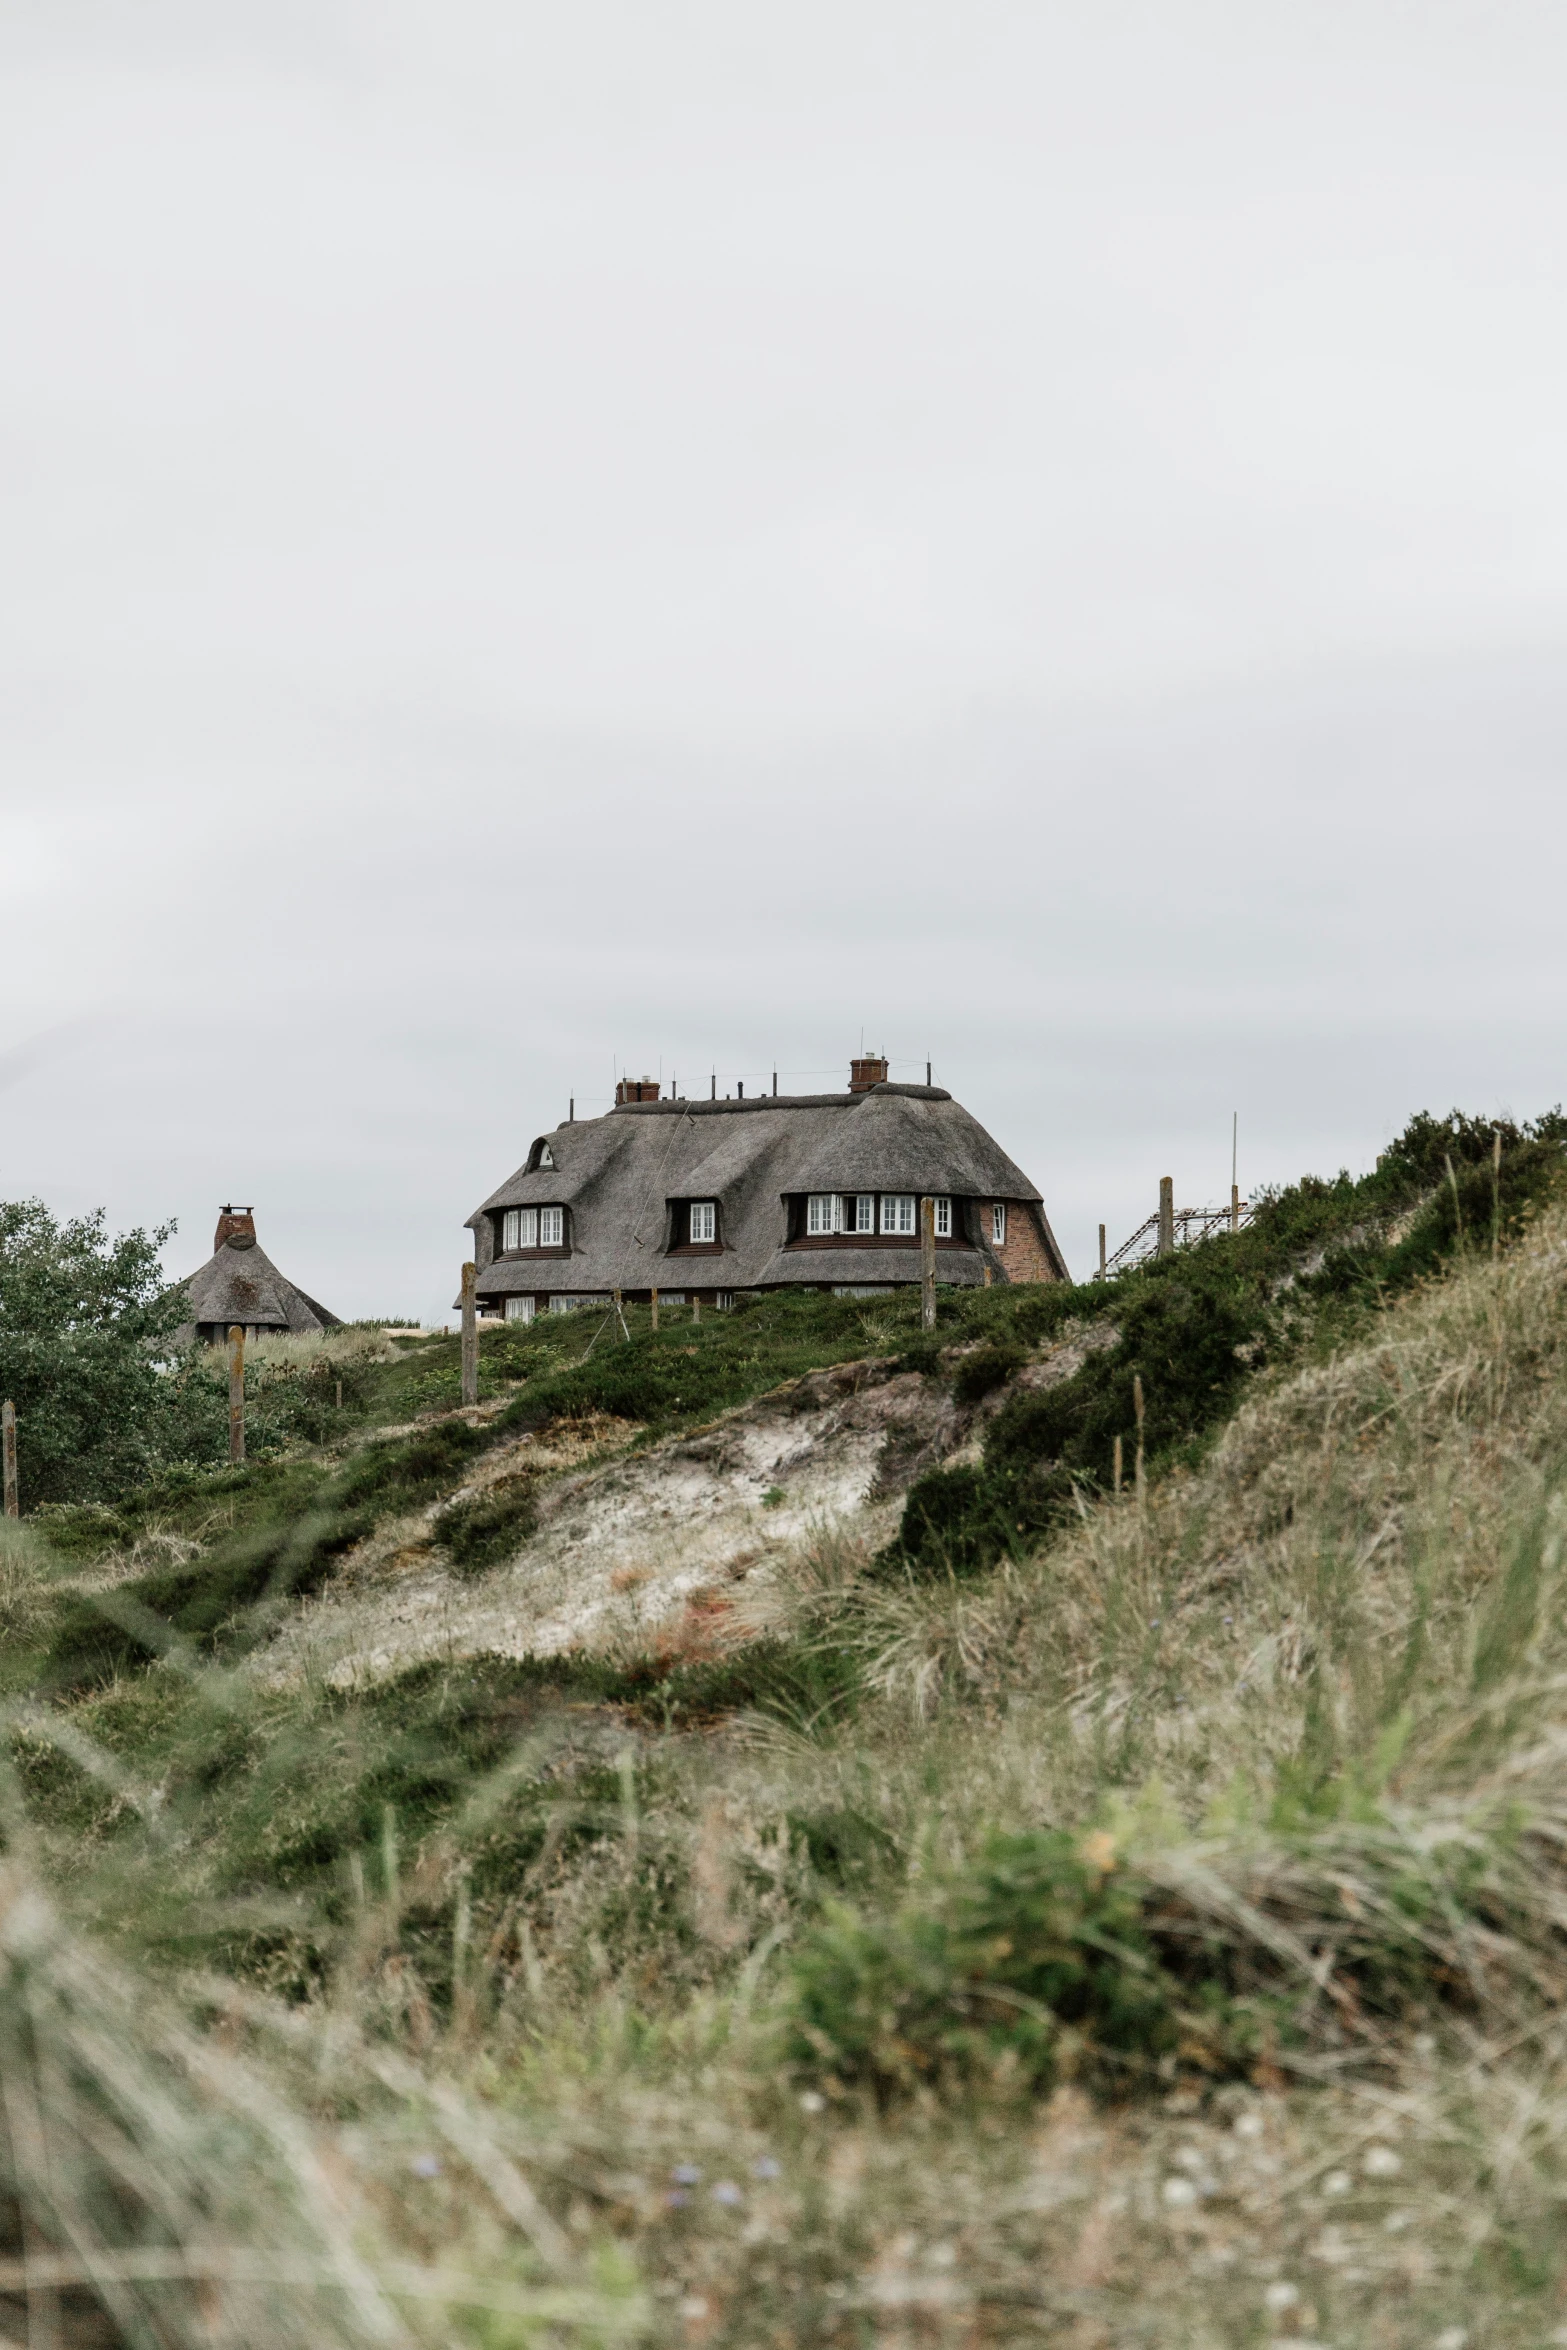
[{"x": 239, "y": 1283}]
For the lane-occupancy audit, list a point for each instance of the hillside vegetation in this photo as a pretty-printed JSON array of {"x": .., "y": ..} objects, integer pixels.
[{"x": 1037, "y": 1911}]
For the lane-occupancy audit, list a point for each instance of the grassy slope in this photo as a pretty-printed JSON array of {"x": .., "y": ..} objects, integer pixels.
[{"x": 1276, "y": 1757}]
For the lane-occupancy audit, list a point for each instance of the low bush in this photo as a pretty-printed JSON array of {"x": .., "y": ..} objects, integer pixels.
[
  {"x": 489, "y": 1527},
  {"x": 988, "y": 1367},
  {"x": 1036, "y": 1960}
]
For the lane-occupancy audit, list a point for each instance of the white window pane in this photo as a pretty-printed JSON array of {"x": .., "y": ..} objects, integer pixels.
[
  {"x": 551, "y": 1227},
  {"x": 528, "y": 1228},
  {"x": 510, "y": 1238},
  {"x": 704, "y": 1220},
  {"x": 519, "y": 1309},
  {"x": 897, "y": 1212},
  {"x": 998, "y": 1223},
  {"x": 865, "y": 1211},
  {"x": 943, "y": 1219},
  {"x": 818, "y": 1212}
]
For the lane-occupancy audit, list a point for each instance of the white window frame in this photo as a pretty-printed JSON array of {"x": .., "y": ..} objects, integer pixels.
[
  {"x": 898, "y": 1214},
  {"x": 702, "y": 1224},
  {"x": 521, "y": 1228},
  {"x": 864, "y": 1204},
  {"x": 943, "y": 1219},
  {"x": 519, "y": 1309},
  {"x": 823, "y": 1214},
  {"x": 552, "y": 1228},
  {"x": 998, "y": 1223}
]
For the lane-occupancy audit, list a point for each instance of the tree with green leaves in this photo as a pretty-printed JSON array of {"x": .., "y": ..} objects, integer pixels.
[{"x": 86, "y": 1329}]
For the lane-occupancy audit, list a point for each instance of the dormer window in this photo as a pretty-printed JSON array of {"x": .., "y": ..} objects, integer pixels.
[
  {"x": 704, "y": 1222},
  {"x": 546, "y": 1155},
  {"x": 533, "y": 1228},
  {"x": 823, "y": 1213},
  {"x": 540, "y": 1156}
]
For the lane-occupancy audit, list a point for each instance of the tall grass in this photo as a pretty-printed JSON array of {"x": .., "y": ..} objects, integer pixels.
[{"x": 1160, "y": 1938}]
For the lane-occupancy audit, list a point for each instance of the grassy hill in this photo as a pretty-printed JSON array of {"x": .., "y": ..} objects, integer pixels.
[{"x": 1050, "y": 1912}]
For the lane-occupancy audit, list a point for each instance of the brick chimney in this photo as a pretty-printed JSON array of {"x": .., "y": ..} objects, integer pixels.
[
  {"x": 866, "y": 1072},
  {"x": 636, "y": 1089},
  {"x": 236, "y": 1228}
]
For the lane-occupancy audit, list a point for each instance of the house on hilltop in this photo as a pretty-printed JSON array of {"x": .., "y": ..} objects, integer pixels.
[
  {"x": 240, "y": 1284},
  {"x": 697, "y": 1199}
]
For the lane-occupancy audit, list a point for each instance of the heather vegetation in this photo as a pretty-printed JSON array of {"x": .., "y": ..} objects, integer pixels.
[{"x": 1122, "y": 1915}]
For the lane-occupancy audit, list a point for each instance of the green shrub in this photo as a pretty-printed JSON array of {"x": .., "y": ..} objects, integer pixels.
[
  {"x": 1035, "y": 1959},
  {"x": 490, "y": 1527},
  {"x": 989, "y": 1367}
]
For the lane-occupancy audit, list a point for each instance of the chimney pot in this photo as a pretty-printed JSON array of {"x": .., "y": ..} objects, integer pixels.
[
  {"x": 870, "y": 1069},
  {"x": 636, "y": 1089}
]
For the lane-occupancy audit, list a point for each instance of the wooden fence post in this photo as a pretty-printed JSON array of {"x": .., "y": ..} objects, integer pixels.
[
  {"x": 927, "y": 1264},
  {"x": 1140, "y": 1472},
  {"x": 470, "y": 1334},
  {"x": 1235, "y": 1207},
  {"x": 655, "y": 1308},
  {"x": 1101, "y": 1252},
  {"x": 13, "y": 1507},
  {"x": 236, "y": 1392},
  {"x": 1167, "y": 1215},
  {"x": 696, "y": 1306}
]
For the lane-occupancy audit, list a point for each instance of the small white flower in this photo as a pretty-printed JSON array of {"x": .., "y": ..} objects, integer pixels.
[
  {"x": 1248, "y": 2125},
  {"x": 1337, "y": 2182},
  {"x": 811, "y": 2101},
  {"x": 1280, "y": 2296},
  {"x": 1380, "y": 2162},
  {"x": 693, "y": 2307},
  {"x": 1179, "y": 2194}
]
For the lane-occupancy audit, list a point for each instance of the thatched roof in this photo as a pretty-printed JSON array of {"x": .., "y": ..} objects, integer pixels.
[
  {"x": 240, "y": 1283},
  {"x": 618, "y": 1175}
]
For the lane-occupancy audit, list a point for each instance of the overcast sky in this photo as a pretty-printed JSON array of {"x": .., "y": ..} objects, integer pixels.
[{"x": 540, "y": 540}]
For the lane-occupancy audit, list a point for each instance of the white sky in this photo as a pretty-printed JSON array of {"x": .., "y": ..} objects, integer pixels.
[{"x": 542, "y": 539}]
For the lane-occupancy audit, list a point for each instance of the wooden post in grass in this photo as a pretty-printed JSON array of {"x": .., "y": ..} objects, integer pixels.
[
  {"x": 1101, "y": 1252},
  {"x": 653, "y": 1299},
  {"x": 1140, "y": 1472},
  {"x": 1496, "y": 1195},
  {"x": 13, "y": 1507},
  {"x": 1167, "y": 1215},
  {"x": 236, "y": 1393},
  {"x": 1235, "y": 1207},
  {"x": 927, "y": 1264},
  {"x": 696, "y": 1305},
  {"x": 470, "y": 1334},
  {"x": 1116, "y": 1468}
]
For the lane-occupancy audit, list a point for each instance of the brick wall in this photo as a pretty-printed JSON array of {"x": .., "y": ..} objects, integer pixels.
[{"x": 1023, "y": 1256}]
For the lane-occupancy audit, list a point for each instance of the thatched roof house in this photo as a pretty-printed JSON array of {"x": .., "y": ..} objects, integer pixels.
[
  {"x": 701, "y": 1198},
  {"x": 240, "y": 1284}
]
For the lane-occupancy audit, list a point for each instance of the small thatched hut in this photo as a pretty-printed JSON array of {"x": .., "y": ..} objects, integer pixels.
[{"x": 240, "y": 1284}]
